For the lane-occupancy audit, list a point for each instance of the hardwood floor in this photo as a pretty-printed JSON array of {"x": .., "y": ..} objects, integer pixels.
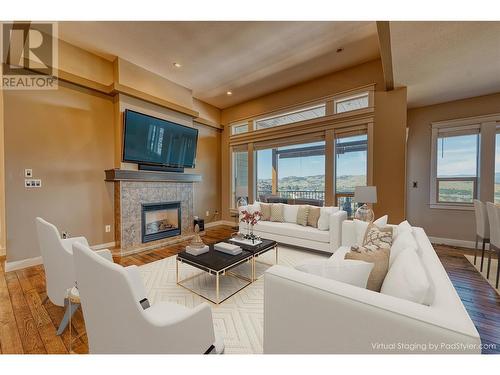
[{"x": 27, "y": 326}]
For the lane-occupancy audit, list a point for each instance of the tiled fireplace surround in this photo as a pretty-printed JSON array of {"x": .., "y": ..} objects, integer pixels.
[{"x": 130, "y": 195}]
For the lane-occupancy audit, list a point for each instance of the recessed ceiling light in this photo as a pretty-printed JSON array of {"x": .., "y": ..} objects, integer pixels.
[
  {"x": 340, "y": 49},
  {"x": 177, "y": 65},
  {"x": 229, "y": 93}
]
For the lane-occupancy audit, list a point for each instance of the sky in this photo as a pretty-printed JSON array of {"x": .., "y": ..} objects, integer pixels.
[{"x": 456, "y": 156}]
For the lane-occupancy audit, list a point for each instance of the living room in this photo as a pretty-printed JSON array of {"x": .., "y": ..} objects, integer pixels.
[{"x": 207, "y": 195}]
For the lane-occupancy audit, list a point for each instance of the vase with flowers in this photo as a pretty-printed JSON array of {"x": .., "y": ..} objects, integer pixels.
[{"x": 250, "y": 218}]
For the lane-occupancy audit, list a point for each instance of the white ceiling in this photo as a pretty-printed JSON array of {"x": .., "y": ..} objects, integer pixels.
[
  {"x": 249, "y": 58},
  {"x": 444, "y": 61}
]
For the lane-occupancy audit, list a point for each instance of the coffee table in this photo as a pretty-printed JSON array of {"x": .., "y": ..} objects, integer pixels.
[{"x": 220, "y": 264}]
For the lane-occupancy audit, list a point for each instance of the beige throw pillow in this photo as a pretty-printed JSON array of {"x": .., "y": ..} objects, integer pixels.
[
  {"x": 302, "y": 215},
  {"x": 379, "y": 237},
  {"x": 265, "y": 210},
  {"x": 379, "y": 256},
  {"x": 312, "y": 218},
  {"x": 277, "y": 212}
]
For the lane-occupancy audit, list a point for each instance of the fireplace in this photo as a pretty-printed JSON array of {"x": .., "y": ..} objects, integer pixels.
[{"x": 160, "y": 220}]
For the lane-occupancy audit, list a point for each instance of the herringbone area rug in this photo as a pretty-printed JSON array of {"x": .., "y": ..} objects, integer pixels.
[{"x": 239, "y": 319}]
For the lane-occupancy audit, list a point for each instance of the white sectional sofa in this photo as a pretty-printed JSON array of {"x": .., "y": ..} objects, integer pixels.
[
  {"x": 305, "y": 313},
  {"x": 291, "y": 233}
]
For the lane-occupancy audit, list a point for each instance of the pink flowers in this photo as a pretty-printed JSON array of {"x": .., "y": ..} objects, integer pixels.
[{"x": 250, "y": 218}]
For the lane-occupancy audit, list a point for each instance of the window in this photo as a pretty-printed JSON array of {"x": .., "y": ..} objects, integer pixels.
[
  {"x": 497, "y": 168},
  {"x": 239, "y": 176},
  {"x": 456, "y": 176},
  {"x": 291, "y": 117},
  {"x": 351, "y": 103},
  {"x": 351, "y": 166},
  {"x": 293, "y": 172},
  {"x": 239, "y": 128}
]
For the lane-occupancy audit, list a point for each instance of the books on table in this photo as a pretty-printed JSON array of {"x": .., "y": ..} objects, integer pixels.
[
  {"x": 197, "y": 250},
  {"x": 227, "y": 248}
]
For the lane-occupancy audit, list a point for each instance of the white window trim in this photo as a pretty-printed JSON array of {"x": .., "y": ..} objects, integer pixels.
[{"x": 469, "y": 124}]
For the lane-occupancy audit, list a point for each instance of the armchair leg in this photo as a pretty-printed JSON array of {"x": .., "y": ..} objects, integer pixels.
[
  {"x": 482, "y": 254},
  {"x": 70, "y": 311},
  {"x": 475, "y": 251},
  {"x": 489, "y": 262}
]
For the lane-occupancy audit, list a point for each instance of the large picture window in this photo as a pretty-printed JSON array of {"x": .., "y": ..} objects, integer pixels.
[
  {"x": 292, "y": 173},
  {"x": 351, "y": 165},
  {"x": 456, "y": 176},
  {"x": 239, "y": 188}
]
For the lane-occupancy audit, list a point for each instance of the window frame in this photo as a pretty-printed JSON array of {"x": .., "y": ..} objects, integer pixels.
[
  {"x": 465, "y": 128},
  {"x": 346, "y": 98},
  {"x": 239, "y": 125}
]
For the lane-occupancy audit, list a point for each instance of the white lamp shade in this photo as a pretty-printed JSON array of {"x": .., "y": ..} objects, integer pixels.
[{"x": 365, "y": 194}]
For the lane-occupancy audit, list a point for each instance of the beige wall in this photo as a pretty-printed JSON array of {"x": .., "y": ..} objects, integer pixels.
[
  {"x": 454, "y": 224},
  {"x": 66, "y": 137},
  {"x": 360, "y": 75},
  {"x": 207, "y": 194},
  {"x": 389, "y": 154}
]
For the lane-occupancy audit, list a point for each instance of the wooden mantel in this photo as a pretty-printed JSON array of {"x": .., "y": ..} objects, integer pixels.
[{"x": 114, "y": 175}]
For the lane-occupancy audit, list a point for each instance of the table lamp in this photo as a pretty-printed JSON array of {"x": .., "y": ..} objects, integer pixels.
[{"x": 365, "y": 195}]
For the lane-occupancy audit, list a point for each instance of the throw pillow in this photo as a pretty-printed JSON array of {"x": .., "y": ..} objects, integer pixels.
[
  {"x": 277, "y": 212},
  {"x": 265, "y": 210},
  {"x": 380, "y": 237},
  {"x": 402, "y": 227},
  {"x": 351, "y": 272},
  {"x": 290, "y": 213},
  {"x": 324, "y": 217},
  {"x": 403, "y": 241},
  {"x": 407, "y": 278},
  {"x": 313, "y": 217},
  {"x": 302, "y": 215},
  {"x": 362, "y": 226},
  {"x": 379, "y": 256}
]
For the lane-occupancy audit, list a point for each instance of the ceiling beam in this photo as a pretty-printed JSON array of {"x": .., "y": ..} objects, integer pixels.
[{"x": 384, "y": 40}]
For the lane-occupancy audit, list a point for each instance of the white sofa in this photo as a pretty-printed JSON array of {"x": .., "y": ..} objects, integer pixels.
[
  {"x": 305, "y": 313},
  {"x": 297, "y": 235}
]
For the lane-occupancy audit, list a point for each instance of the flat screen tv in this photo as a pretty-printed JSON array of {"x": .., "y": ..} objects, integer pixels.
[{"x": 152, "y": 141}]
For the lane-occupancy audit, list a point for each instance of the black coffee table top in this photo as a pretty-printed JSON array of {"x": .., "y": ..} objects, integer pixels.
[{"x": 217, "y": 261}]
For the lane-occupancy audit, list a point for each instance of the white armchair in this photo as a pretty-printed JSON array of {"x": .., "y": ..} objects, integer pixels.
[
  {"x": 117, "y": 322},
  {"x": 57, "y": 255}
]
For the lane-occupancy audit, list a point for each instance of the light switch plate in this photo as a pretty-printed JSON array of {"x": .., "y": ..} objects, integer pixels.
[{"x": 28, "y": 173}]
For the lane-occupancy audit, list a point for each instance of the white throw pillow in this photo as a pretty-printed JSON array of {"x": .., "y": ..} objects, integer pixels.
[
  {"x": 404, "y": 226},
  {"x": 290, "y": 213},
  {"x": 407, "y": 278},
  {"x": 353, "y": 272},
  {"x": 324, "y": 218},
  {"x": 361, "y": 227},
  {"x": 404, "y": 241}
]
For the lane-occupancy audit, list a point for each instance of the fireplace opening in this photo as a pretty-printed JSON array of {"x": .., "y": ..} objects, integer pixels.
[{"x": 160, "y": 220}]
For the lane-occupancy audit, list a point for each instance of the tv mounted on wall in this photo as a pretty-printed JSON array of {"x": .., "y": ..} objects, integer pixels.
[{"x": 157, "y": 144}]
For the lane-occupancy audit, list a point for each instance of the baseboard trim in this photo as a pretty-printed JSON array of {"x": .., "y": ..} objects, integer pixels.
[
  {"x": 102, "y": 246},
  {"x": 24, "y": 263},
  {"x": 30, "y": 262},
  {"x": 220, "y": 222},
  {"x": 453, "y": 242}
]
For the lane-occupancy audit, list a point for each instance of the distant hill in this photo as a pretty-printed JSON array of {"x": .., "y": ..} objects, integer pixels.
[{"x": 314, "y": 183}]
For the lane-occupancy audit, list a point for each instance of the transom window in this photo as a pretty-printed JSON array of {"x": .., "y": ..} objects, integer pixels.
[
  {"x": 351, "y": 103},
  {"x": 291, "y": 117},
  {"x": 239, "y": 128}
]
